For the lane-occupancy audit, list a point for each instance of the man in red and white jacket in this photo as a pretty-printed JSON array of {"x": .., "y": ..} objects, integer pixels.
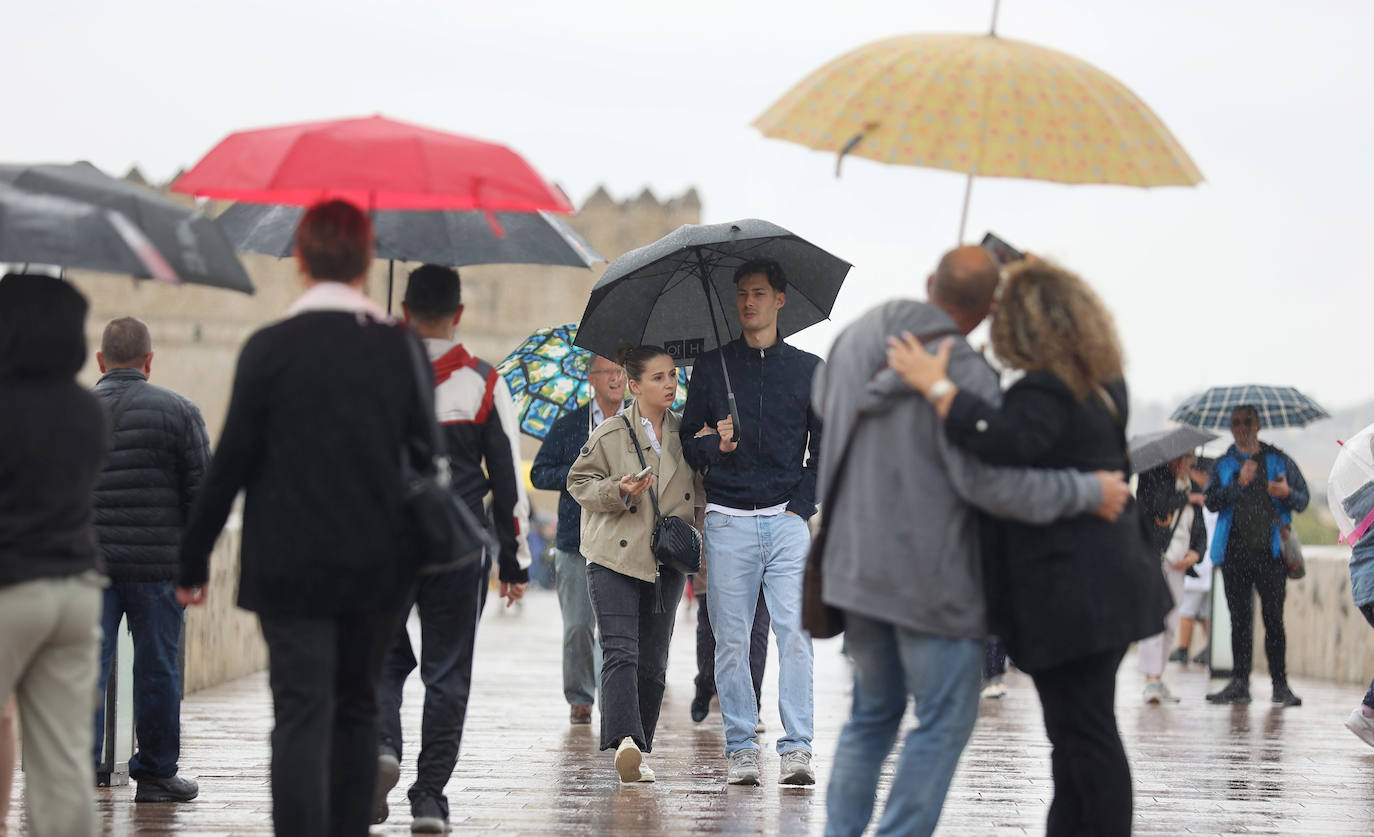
[{"x": 477, "y": 416}]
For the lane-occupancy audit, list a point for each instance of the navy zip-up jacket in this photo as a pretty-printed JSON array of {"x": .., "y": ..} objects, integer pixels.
[
  {"x": 556, "y": 457},
  {"x": 779, "y": 435}
]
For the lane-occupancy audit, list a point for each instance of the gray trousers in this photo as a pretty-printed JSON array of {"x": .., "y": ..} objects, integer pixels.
[
  {"x": 49, "y": 642},
  {"x": 581, "y": 651}
]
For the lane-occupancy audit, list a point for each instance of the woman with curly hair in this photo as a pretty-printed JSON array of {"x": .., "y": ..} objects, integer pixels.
[{"x": 1067, "y": 598}]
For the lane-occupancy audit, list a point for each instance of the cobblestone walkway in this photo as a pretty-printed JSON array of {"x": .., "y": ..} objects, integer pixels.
[{"x": 1198, "y": 769}]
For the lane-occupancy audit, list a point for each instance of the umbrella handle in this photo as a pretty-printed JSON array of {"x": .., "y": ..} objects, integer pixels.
[{"x": 734, "y": 413}]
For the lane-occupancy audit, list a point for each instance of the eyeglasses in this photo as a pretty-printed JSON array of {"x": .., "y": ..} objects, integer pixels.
[{"x": 614, "y": 373}]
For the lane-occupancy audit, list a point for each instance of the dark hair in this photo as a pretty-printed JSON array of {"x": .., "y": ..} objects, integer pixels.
[
  {"x": 335, "y": 240},
  {"x": 126, "y": 342},
  {"x": 42, "y": 328},
  {"x": 636, "y": 359},
  {"x": 434, "y": 292},
  {"x": 771, "y": 270}
]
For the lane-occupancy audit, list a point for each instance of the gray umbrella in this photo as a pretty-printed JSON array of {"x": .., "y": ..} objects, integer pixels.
[
  {"x": 452, "y": 238},
  {"x": 1150, "y": 450},
  {"x": 678, "y": 291},
  {"x": 46, "y": 229},
  {"x": 196, "y": 249}
]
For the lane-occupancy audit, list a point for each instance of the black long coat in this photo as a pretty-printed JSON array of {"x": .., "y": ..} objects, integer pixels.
[{"x": 1074, "y": 587}]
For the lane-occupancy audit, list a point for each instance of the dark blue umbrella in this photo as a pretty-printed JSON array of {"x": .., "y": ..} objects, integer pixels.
[
  {"x": 1150, "y": 450},
  {"x": 1277, "y": 407},
  {"x": 673, "y": 293},
  {"x": 51, "y": 230}
]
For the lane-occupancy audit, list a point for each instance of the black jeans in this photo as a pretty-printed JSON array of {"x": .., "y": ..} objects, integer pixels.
[
  {"x": 1092, "y": 778},
  {"x": 706, "y": 649},
  {"x": 994, "y": 658},
  {"x": 1256, "y": 569},
  {"x": 450, "y": 606},
  {"x": 324, "y": 673},
  {"x": 634, "y": 650}
]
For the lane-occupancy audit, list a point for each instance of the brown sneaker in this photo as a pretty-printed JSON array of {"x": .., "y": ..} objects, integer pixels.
[{"x": 579, "y": 715}]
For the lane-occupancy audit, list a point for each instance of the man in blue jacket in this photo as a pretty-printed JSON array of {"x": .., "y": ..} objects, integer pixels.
[
  {"x": 760, "y": 491},
  {"x": 581, "y": 655},
  {"x": 1256, "y": 488}
]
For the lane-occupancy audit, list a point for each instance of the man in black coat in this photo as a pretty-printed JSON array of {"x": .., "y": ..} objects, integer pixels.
[
  {"x": 323, "y": 404},
  {"x": 142, "y": 502},
  {"x": 581, "y": 654}
]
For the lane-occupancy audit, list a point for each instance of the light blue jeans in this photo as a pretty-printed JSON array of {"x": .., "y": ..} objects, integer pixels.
[
  {"x": 743, "y": 553},
  {"x": 892, "y": 664}
]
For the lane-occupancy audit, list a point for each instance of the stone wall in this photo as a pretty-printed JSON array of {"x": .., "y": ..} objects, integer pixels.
[
  {"x": 1327, "y": 635},
  {"x": 222, "y": 641}
]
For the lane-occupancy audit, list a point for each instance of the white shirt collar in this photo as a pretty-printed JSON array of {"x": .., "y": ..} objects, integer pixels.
[{"x": 336, "y": 296}]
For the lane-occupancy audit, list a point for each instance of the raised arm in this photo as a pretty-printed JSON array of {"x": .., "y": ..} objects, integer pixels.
[
  {"x": 1028, "y": 423},
  {"x": 701, "y": 452},
  {"x": 1035, "y": 496}
]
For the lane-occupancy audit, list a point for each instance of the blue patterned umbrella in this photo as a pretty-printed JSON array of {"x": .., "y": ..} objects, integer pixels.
[
  {"x": 547, "y": 377},
  {"x": 1277, "y": 407}
]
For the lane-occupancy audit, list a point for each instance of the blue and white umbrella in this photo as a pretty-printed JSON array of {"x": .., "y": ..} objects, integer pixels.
[{"x": 1277, "y": 407}]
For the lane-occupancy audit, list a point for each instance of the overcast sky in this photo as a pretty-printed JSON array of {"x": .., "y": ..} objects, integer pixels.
[{"x": 1256, "y": 275}]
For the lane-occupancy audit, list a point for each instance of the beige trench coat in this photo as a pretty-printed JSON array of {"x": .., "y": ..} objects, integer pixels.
[{"x": 614, "y": 534}]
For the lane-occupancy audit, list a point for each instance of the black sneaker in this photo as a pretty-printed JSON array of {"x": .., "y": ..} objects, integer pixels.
[
  {"x": 1180, "y": 655},
  {"x": 171, "y": 789},
  {"x": 428, "y": 816},
  {"x": 1204, "y": 657},
  {"x": 1283, "y": 696},
  {"x": 1236, "y": 691},
  {"x": 701, "y": 706},
  {"x": 388, "y": 772}
]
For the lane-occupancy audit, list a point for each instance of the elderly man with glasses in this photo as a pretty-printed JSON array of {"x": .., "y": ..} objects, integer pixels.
[{"x": 1255, "y": 488}]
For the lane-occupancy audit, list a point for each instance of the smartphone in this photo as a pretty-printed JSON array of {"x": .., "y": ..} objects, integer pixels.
[
  {"x": 1001, "y": 252},
  {"x": 648, "y": 469}
]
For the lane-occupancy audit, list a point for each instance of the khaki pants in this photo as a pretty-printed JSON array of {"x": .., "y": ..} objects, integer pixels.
[{"x": 49, "y": 637}]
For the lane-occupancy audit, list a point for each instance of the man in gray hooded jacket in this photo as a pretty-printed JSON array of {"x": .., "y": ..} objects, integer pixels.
[{"x": 902, "y": 557}]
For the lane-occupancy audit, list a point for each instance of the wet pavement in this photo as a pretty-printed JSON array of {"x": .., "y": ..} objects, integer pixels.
[{"x": 1199, "y": 769}]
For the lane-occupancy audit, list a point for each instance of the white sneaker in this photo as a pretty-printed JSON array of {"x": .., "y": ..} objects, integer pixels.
[
  {"x": 995, "y": 688},
  {"x": 628, "y": 758},
  {"x": 1156, "y": 693},
  {"x": 645, "y": 774},
  {"x": 742, "y": 768},
  {"x": 795, "y": 769},
  {"x": 1360, "y": 725}
]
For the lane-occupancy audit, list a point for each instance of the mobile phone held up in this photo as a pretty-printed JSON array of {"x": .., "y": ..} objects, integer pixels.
[
  {"x": 1001, "y": 252},
  {"x": 648, "y": 469}
]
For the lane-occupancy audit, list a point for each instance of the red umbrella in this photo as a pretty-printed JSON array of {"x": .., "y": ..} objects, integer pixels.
[{"x": 374, "y": 162}]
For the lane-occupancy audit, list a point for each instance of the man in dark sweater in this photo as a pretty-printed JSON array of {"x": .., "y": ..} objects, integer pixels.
[
  {"x": 581, "y": 654},
  {"x": 324, "y": 402},
  {"x": 142, "y": 502},
  {"x": 55, "y": 437},
  {"x": 477, "y": 417},
  {"x": 760, "y": 491}
]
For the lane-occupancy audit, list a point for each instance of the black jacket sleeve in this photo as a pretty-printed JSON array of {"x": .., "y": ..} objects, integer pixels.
[
  {"x": 803, "y": 502},
  {"x": 193, "y": 459},
  {"x": 235, "y": 460},
  {"x": 1197, "y": 537},
  {"x": 1024, "y": 428},
  {"x": 501, "y": 471},
  {"x": 701, "y": 453},
  {"x": 557, "y": 454}
]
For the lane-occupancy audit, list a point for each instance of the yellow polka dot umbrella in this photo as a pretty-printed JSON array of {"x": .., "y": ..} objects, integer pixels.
[{"x": 982, "y": 105}]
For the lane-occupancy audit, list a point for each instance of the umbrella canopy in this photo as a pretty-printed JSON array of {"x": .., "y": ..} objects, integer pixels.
[
  {"x": 1150, "y": 450},
  {"x": 1350, "y": 488},
  {"x": 1277, "y": 407},
  {"x": 980, "y": 105},
  {"x": 547, "y": 377},
  {"x": 374, "y": 162},
  {"x": 453, "y": 238},
  {"x": 191, "y": 243},
  {"x": 51, "y": 230},
  {"x": 679, "y": 291}
]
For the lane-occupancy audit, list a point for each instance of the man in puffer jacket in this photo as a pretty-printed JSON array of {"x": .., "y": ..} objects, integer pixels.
[{"x": 142, "y": 503}]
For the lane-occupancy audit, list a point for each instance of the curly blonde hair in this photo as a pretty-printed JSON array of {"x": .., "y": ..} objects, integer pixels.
[{"x": 1049, "y": 319}]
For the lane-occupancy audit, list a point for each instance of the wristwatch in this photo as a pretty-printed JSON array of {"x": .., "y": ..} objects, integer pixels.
[{"x": 939, "y": 390}]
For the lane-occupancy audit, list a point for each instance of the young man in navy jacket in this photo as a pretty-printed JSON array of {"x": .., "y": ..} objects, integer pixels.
[{"x": 760, "y": 491}]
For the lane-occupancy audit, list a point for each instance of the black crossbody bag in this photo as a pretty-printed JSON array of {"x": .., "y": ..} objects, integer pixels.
[{"x": 675, "y": 542}]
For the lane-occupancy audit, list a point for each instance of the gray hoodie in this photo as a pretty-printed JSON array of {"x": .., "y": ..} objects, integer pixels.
[{"x": 903, "y": 531}]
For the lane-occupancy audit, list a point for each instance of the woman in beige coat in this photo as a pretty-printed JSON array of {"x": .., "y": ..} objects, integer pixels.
[{"x": 633, "y": 597}]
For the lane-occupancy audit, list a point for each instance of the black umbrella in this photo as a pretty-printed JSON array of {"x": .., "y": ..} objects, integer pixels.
[
  {"x": 50, "y": 230},
  {"x": 453, "y": 238},
  {"x": 196, "y": 249},
  {"x": 674, "y": 292},
  {"x": 1150, "y": 450}
]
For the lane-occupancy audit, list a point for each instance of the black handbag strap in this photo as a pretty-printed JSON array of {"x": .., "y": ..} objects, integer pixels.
[
  {"x": 634, "y": 440},
  {"x": 122, "y": 405}
]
